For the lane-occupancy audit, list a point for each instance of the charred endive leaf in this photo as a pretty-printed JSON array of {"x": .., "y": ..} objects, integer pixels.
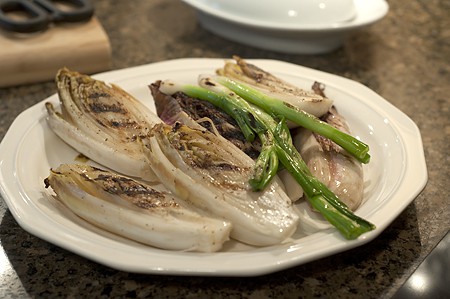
[
  {"x": 213, "y": 175},
  {"x": 103, "y": 122},
  {"x": 273, "y": 86},
  {"x": 135, "y": 210}
]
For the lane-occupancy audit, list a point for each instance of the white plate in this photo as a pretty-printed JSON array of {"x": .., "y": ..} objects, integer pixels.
[
  {"x": 286, "y": 37},
  {"x": 394, "y": 177}
]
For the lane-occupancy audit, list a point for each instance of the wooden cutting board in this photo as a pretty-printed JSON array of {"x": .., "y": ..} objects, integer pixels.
[{"x": 31, "y": 58}]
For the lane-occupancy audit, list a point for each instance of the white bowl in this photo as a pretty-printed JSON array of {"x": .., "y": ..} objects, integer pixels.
[
  {"x": 286, "y": 12},
  {"x": 267, "y": 27}
]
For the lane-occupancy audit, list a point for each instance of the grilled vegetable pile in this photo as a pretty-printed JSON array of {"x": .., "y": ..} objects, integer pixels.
[{"x": 230, "y": 157}]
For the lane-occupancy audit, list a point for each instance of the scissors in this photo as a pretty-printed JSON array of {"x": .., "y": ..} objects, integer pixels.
[{"x": 37, "y": 15}]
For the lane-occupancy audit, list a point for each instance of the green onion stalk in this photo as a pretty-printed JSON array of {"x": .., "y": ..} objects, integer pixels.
[
  {"x": 278, "y": 147},
  {"x": 278, "y": 108}
]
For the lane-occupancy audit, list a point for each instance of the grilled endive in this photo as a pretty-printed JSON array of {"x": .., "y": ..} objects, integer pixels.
[
  {"x": 339, "y": 171},
  {"x": 103, "y": 122},
  {"x": 211, "y": 173},
  {"x": 275, "y": 87},
  {"x": 135, "y": 210}
]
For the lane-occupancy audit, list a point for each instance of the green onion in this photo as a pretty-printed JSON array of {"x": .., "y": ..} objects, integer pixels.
[{"x": 279, "y": 108}]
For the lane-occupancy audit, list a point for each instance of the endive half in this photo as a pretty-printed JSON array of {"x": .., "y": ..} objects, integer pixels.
[
  {"x": 213, "y": 174},
  {"x": 103, "y": 122},
  {"x": 273, "y": 86},
  {"x": 135, "y": 210},
  {"x": 339, "y": 171}
]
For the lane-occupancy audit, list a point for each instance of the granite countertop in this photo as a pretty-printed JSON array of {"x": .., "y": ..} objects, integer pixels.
[{"x": 405, "y": 58}]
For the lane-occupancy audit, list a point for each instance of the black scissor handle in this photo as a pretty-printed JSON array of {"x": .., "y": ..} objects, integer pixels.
[
  {"x": 36, "y": 18},
  {"x": 40, "y": 13},
  {"x": 80, "y": 10}
]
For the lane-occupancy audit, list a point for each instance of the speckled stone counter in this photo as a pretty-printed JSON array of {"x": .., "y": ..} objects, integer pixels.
[{"x": 405, "y": 58}]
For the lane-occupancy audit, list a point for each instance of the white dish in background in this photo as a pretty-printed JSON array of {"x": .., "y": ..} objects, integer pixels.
[
  {"x": 292, "y": 36},
  {"x": 393, "y": 178},
  {"x": 293, "y": 13}
]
